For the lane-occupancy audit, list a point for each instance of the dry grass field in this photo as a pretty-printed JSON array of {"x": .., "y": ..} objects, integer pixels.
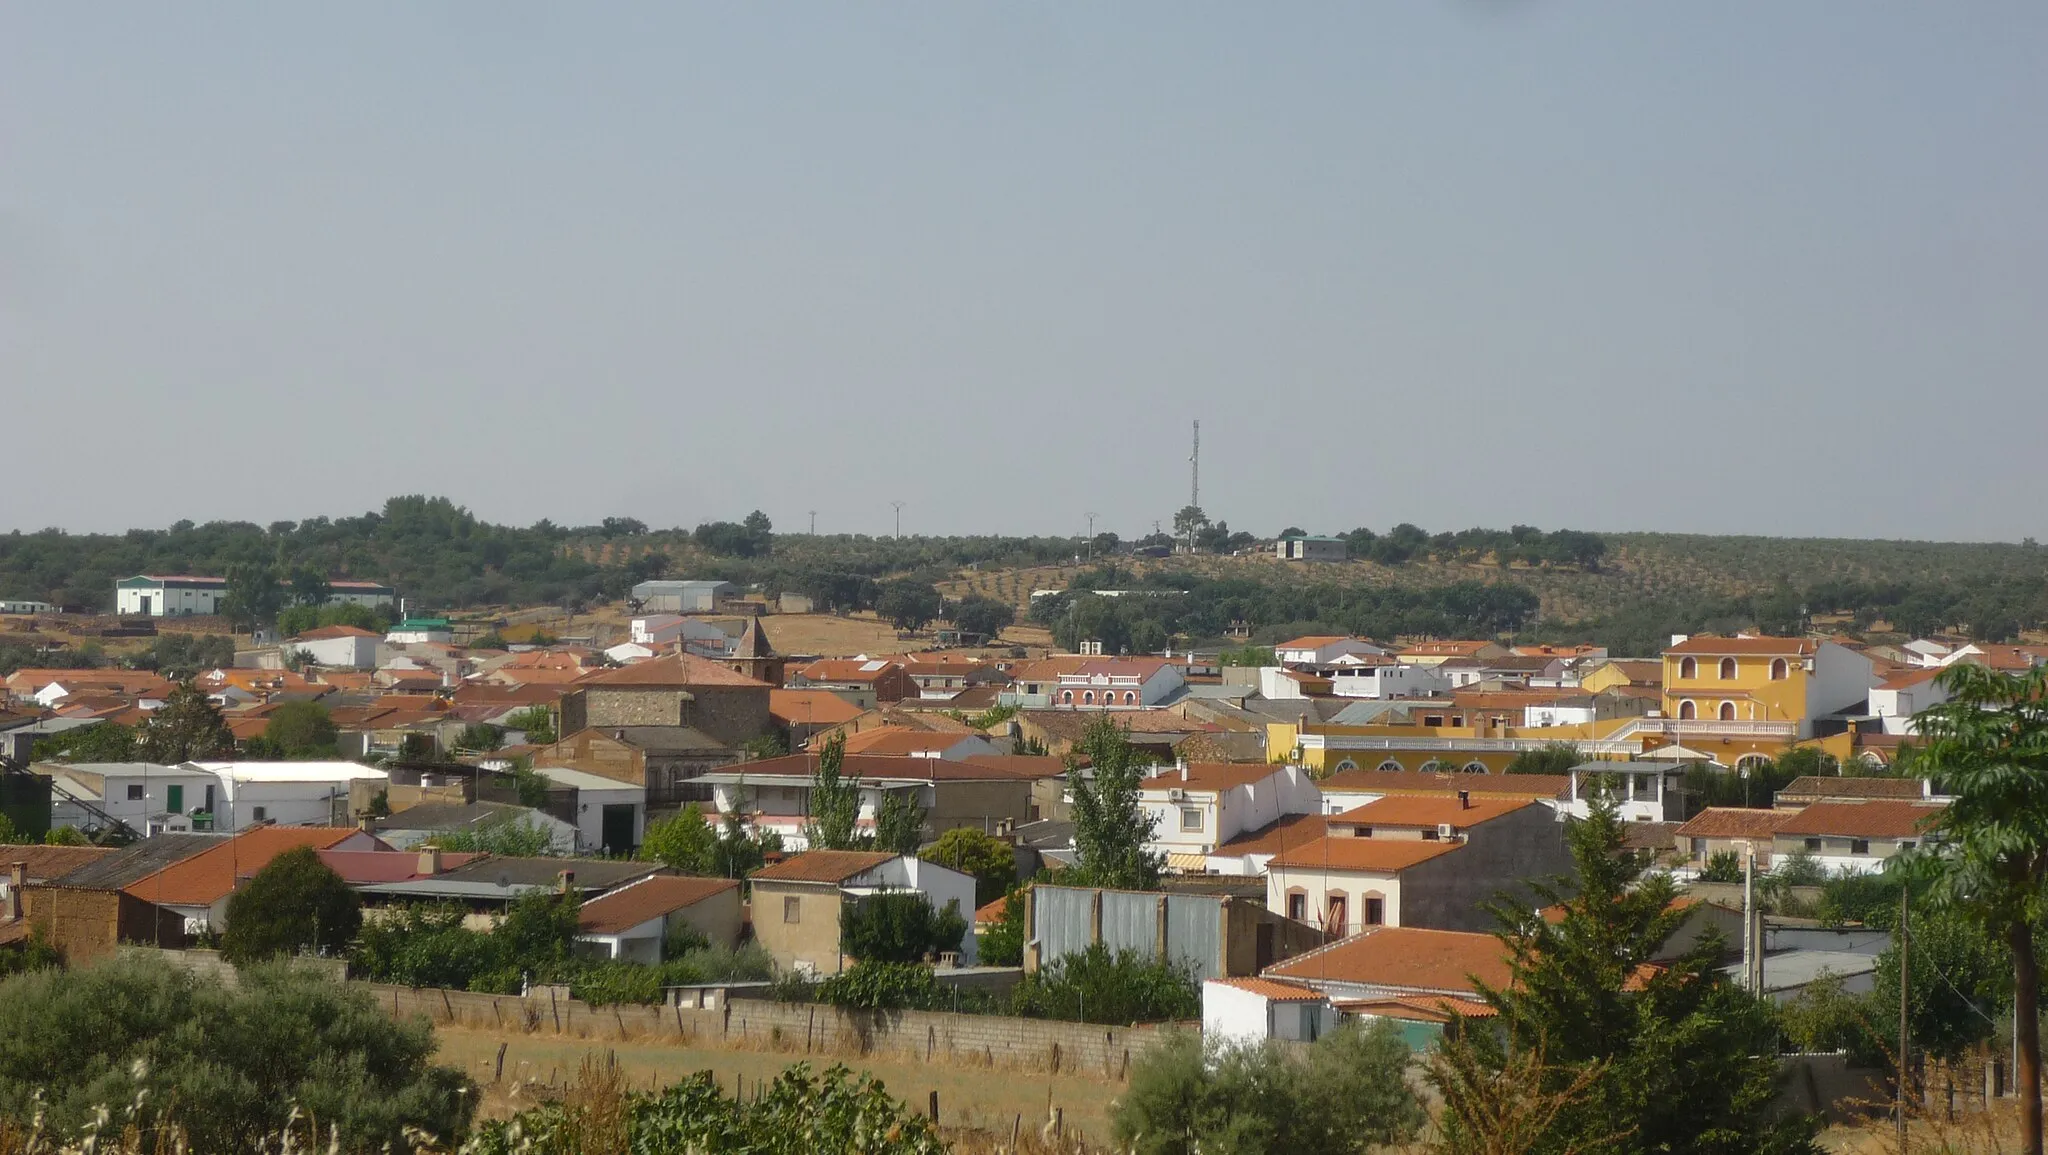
[{"x": 981, "y": 1097}]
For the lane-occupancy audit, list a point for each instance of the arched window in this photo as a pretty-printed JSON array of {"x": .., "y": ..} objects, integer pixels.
[
  {"x": 1688, "y": 668},
  {"x": 1779, "y": 670},
  {"x": 1476, "y": 768},
  {"x": 1067, "y": 697},
  {"x": 1727, "y": 711},
  {"x": 1130, "y": 697},
  {"x": 1087, "y": 697},
  {"x": 1391, "y": 767},
  {"x": 1346, "y": 764},
  {"x": 1434, "y": 767},
  {"x": 1727, "y": 669},
  {"x": 1687, "y": 711},
  {"x": 1751, "y": 762}
]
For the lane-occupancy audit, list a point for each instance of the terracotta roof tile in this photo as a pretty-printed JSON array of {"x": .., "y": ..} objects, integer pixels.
[
  {"x": 1429, "y": 811},
  {"x": 1828, "y": 787},
  {"x": 877, "y": 766},
  {"x": 1274, "y": 837},
  {"x": 1734, "y": 822},
  {"x": 212, "y": 874},
  {"x": 833, "y": 866},
  {"x": 1373, "y": 855},
  {"x": 1272, "y": 990},
  {"x": 673, "y": 670},
  {"x": 810, "y": 708},
  {"x": 630, "y": 905},
  {"x": 1875, "y": 819},
  {"x": 1416, "y": 782},
  {"x": 48, "y": 862},
  {"x": 1405, "y": 957}
]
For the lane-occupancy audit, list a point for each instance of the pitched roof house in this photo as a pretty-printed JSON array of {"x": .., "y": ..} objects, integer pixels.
[{"x": 797, "y": 902}]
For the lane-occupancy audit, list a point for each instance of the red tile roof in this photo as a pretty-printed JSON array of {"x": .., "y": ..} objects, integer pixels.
[
  {"x": 1405, "y": 957},
  {"x": 1419, "y": 1008},
  {"x": 1734, "y": 822},
  {"x": 646, "y": 900},
  {"x": 369, "y": 867},
  {"x": 1370, "y": 855},
  {"x": 833, "y": 866},
  {"x": 878, "y": 766},
  {"x": 901, "y": 742},
  {"x": 1828, "y": 787},
  {"x": 213, "y": 873},
  {"x": 1416, "y": 782},
  {"x": 673, "y": 670},
  {"x": 1274, "y": 837},
  {"x": 810, "y": 708},
  {"x": 47, "y": 862},
  {"x": 1876, "y": 819},
  {"x": 1429, "y": 811},
  {"x": 1272, "y": 990}
]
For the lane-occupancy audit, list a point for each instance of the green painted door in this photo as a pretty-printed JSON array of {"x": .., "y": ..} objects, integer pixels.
[{"x": 175, "y": 799}]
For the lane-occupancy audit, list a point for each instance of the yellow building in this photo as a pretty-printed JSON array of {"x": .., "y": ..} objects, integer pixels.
[{"x": 1780, "y": 682}]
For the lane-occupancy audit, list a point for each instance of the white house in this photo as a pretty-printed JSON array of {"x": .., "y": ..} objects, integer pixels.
[
  {"x": 149, "y": 798},
  {"x": 169, "y": 595},
  {"x": 419, "y": 631},
  {"x": 1384, "y": 678},
  {"x": 1895, "y": 700},
  {"x": 611, "y": 816},
  {"x": 338, "y": 647},
  {"x": 1196, "y": 808},
  {"x": 775, "y": 794},
  {"x": 1248, "y": 1011},
  {"x": 683, "y": 597},
  {"x": 780, "y": 892},
  {"x": 1641, "y": 791},
  {"x": 1322, "y": 649},
  {"x": 285, "y": 793},
  {"x": 632, "y": 922},
  {"x": 1311, "y": 549},
  {"x": 1118, "y": 684},
  {"x": 1854, "y": 837}
]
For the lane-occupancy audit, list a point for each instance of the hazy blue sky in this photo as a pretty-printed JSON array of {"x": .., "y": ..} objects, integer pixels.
[{"x": 1754, "y": 267}]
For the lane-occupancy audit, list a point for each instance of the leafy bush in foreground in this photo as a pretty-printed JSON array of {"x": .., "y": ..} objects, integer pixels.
[
  {"x": 1346, "y": 1093},
  {"x": 230, "y": 1066}
]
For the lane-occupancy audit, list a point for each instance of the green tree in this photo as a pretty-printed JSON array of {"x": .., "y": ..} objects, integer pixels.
[
  {"x": 899, "y": 824},
  {"x": 908, "y": 604},
  {"x": 536, "y": 722},
  {"x": 100, "y": 742},
  {"x": 835, "y": 802},
  {"x": 985, "y": 616},
  {"x": 1098, "y": 985},
  {"x": 1003, "y": 944},
  {"x": 1550, "y": 758},
  {"x": 1111, "y": 827},
  {"x": 991, "y": 861},
  {"x": 1248, "y": 656},
  {"x": 899, "y": 927},
  {"x": 1722, "y": 866},
  {"x": 254, "y": 595},
  {"x": 300, "y": 730},
  {"x": 310, "y": 587},
  {"x": 222, "y": 1065},
  {"x": 294, "y": 903},
  {"x": 1346, "y": 1093},
  {"x": 1987, "y": 851},
  {"x": 684, "y": 841},
  {"x": 479, "y": 736},
  {"x": 742, "y": 851},
  {"x": 186, "y": 728},
  {"x": 514, "y": 837},
  {"x": 1189, "y": 521},
  {"x": 1685, "y": 1060}
]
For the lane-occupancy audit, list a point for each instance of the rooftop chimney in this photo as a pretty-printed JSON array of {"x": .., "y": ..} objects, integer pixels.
[
  {"x": 430, "y": 860},
  {"x": 565, "y": 881},
  {"x": 1464, "y": 800},
  {"x": 17, "y": 881},
  {"x": 1183, "y": 770}
]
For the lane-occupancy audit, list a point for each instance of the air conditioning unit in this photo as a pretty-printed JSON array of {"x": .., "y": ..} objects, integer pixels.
[
  {"x": 1176, "y": 795},
  {"x": 1446, "y": 831}
]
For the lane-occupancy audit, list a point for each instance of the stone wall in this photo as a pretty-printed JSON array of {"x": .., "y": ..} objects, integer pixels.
[{"x": 795, "y": 1028}]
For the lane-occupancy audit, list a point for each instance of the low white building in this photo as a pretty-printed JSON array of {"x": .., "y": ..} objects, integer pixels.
[
  {"x": 148, "y": 798},
  {"x": 632, "y": 922},
  {"x": 284, "y": 793},
  {"x": 1195, "y": 808},
  {"x": 1322, "y": 649},
  {"x": 1640, "y": 791},
  {"x": 611, "y": 816},
  {"x": 337, "y": 647},
  {"x": 1895, "y": 700},
  {"x": 1248, "y": 1011},
  {"x": 419, "y": 631},
  {"x": 169, "y": 595}
]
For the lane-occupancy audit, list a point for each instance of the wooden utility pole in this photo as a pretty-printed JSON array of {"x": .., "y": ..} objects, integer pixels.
[{"x": 1905, "y": 1037}]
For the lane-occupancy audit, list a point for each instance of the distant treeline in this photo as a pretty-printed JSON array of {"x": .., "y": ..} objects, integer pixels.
[
  {"x": 1521, "y": 543},
  {"x": 1156, "y": 608}
]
